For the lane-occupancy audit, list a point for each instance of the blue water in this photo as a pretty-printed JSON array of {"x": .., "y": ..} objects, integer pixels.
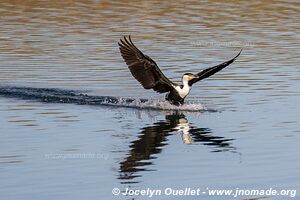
[{"x": 240, "y": 128}]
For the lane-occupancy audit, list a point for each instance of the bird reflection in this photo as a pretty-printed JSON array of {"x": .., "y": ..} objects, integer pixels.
[{"x": 152, "y": 139}]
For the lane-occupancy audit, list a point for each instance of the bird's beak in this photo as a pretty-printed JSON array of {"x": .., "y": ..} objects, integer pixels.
[{"x": 196, "y": 76}]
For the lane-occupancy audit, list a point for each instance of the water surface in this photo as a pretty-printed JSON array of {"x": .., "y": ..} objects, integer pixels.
[{"x": 70, "y": 151}]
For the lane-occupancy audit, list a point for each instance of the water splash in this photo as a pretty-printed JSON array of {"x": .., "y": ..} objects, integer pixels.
[
  {"x": 52, "y": 95},
  {"x": 158, "y": 104}
]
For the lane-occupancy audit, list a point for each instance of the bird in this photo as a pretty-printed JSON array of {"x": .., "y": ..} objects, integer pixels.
[{"x": 148, "y": 74}]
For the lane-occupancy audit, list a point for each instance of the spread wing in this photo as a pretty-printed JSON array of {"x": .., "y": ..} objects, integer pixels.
[
  {"x": 212, "y": 70},
  {"x": 143, "y": 68}
]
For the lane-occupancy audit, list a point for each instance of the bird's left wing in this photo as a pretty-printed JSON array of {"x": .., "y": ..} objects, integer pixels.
[{"x": 212, "y": 70}]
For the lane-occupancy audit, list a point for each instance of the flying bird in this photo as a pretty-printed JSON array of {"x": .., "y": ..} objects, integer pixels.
[{"x": 147, "y": 72}]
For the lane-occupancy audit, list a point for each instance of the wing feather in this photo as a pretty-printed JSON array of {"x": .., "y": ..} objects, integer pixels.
[
  {"x": 212, "y": 70},
  {"x": 143, "y": 68}
]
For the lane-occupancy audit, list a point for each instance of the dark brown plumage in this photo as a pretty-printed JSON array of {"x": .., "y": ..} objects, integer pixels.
[
  {"x": 212, "y": 70},
  {"x": 147, "y": 72},
  {"x": 143, "y": 68}
]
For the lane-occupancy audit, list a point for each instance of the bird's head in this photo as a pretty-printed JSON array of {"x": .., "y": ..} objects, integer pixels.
[
  {"x": 189, "y": 76},
  {"x": 189, "y": 79}
]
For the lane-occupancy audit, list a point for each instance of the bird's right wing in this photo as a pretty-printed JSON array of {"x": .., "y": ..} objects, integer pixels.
[{"x": 143, "y": 68}]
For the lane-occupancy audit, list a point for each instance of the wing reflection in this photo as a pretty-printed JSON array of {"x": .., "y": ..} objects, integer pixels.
[{"x": 152, "y": 139}]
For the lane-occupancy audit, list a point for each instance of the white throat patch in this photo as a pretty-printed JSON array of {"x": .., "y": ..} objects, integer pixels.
[{"x": 183, "y": 92}]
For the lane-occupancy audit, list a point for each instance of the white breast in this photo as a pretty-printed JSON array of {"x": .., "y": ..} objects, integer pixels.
[{"x": 183, "y": 92}]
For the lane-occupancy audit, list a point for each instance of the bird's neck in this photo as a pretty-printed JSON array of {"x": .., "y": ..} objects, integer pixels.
[
  {"x": 184, "y": 89},
  {"x": 185, "y": 83}
]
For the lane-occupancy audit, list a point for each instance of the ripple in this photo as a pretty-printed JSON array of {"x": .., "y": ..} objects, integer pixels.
[{"x": 52, "y": 95}]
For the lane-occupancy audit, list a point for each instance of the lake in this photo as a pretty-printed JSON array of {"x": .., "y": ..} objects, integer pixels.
[{"x": 239, "y": 130}]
